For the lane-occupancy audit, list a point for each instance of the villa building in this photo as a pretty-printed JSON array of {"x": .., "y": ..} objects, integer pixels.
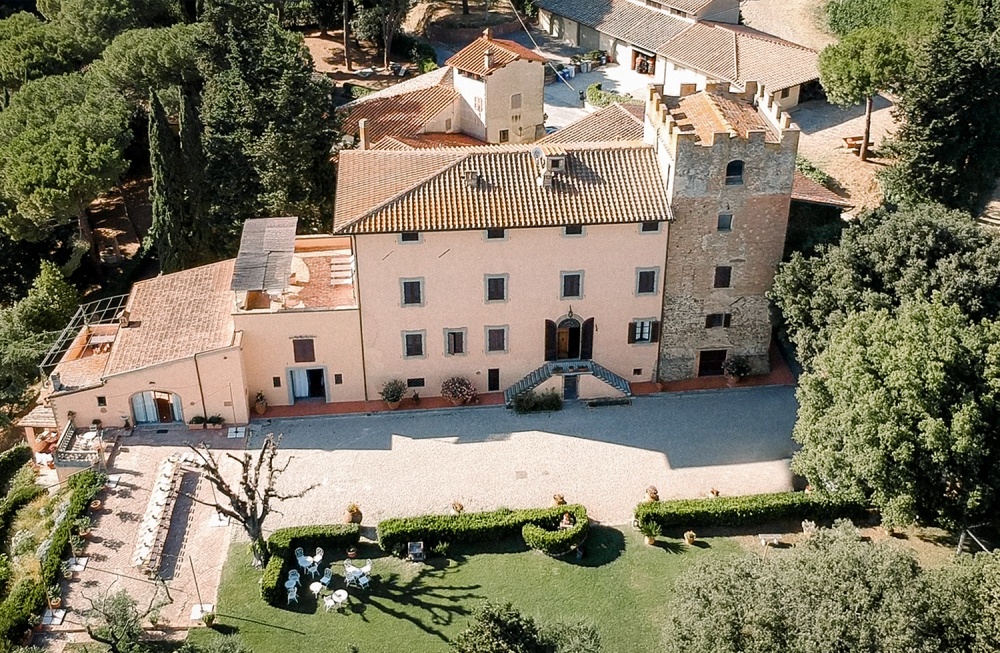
[{"x": 579, "y": 265}]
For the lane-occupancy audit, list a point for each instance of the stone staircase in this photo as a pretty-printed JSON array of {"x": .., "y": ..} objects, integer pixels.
[{"x": 554, "y": 368}]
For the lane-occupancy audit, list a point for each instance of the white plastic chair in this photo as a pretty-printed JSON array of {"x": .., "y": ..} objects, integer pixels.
[
  {"x": 329, "y": 603},
  {"x": 300, "y": 552},
  {"x": 294, "y": 575},
  {"x": 367, "y": 568},
  {"x": 293, "y": 595}
]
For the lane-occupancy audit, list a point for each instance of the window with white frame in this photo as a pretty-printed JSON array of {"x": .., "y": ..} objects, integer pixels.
[
  {"x": 412, "y": 292},
  {"x": 643, "y": 330},
  {"x": 496, "y": 340}
]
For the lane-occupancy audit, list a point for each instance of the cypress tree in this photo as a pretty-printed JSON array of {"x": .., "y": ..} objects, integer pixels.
[{"x": 168, "y": 233}]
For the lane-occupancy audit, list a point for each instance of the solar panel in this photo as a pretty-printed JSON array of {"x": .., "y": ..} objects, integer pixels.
[{"x": 264, "y": 261}]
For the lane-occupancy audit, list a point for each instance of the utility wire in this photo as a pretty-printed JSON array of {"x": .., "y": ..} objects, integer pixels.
[{"x": 538, "y": 50}]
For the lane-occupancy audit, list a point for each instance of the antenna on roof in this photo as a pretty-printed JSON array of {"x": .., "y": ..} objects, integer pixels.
[{"x": 537, "y": 153}]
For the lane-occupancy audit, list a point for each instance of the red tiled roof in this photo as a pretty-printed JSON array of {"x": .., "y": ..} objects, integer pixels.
[
  {"x": 602, "y": 183},
  {"x": 402, "y": 109},
  {"x": 805, "y": 189},
  {"x": 428, "y": 140},
  {"x": 707, "y": 113},
  {"x": 617, "y": 122},
  {"x": 471, "y": 58}
]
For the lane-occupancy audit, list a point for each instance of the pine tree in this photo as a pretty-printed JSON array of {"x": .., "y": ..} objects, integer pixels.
[
  {"x": 168, "y": 233},
  {"x": 948, "y": 146}
]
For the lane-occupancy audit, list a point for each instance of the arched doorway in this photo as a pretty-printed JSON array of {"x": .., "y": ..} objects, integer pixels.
[
  {"x": 568, "y": 339},
  {"x": 155, "y": 407}
]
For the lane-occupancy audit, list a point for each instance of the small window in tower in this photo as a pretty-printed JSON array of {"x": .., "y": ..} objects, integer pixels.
[
  {"x": 504, "y": 135},
  {"x": 734, "y": 173},
  {"x": 515, "y": 101}
]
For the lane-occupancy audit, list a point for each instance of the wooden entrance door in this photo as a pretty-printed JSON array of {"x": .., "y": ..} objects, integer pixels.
[{"x": 710, "y": 362}]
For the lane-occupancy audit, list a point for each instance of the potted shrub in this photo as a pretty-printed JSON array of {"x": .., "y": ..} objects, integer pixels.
[
  {"x": 197, "y": 423},
  {"x": 54, "y": 595},
  {"x": 457, "y": 508},
  {"x": 690, "y": 537},
  {"x": 77, "y": 543},
  {"x": 95, "y": 505},
  {"x": 458, "y": 390},
  {"x": 260, "y": 403},
  {"x": 392, "y": 393},
  {"x": 650, "y": 531},
  {"x": 558, "y": 500},
  {"x": 96, "y": 424},
  {"x": 652, "y": 494},
  {"x": 353, "y": 514},
  {"x": 67, "y": 569},
  {"x": 208, "y": 618},
  {"x": 736, "y": 368},
  {"x": 82, "y": 526},
  {"x": 215, "y": 422}
]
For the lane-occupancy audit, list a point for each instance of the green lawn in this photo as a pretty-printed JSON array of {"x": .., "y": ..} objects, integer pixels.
[{"x": 621, "y": 586}]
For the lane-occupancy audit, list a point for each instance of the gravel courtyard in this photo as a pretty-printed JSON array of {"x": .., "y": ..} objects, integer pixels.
[{"x": 737, "y": 441}]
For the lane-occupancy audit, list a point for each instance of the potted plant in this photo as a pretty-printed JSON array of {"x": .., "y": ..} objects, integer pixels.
[
  {"x": 416, "y": 398},
  {"x": 352, "y": 552},
  {"x": 67, "y": 569},
  {"x": 95, "y": 505},
  {"x": 96, "y": 423},
  {"x": 690, "y": 537},
  {"x": 77, "y": 543},
  {"x": 558, "y": 500},
  {"x": 208, "y": 618},
  {"x": 650, "y": 531},
  {"x": 458, "y": 390},
  {"x": 82, "y": 526},
  {"x": 197, "y": 423},
  {"x": 260, "y": 403},
  {"x": 353, "y": 514},
  {"x": 215, "y": 422},
  {"x": 736, "y": 368},
  {"x": 457, "y": 508},
  {"x": 392, "y": 392},
  {"x": 652, "y": 494},
  {"x": 54, "y": 595}
]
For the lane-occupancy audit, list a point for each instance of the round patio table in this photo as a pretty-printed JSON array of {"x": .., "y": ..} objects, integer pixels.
[{"x": 289, "y": 584}]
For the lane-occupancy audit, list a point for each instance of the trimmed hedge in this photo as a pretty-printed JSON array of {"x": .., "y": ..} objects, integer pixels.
[
  {"x": 14, "y": 501},
  {"x": 11, "y": 461},
  {"x": 26, "y": 599},
  {"x": 549, "y": 538},
  {"x": 282, "y": 544},
  {"x": 85, "y": 485},
  {"x": 747, "y": 510},
  {"x": 393, "y": 534},
  {"x": 601, "y": 98},
  {"x": 534, "y": 402}
]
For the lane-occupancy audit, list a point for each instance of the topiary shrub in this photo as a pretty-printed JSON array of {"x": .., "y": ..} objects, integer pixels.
[
  {"x": 534, "y": 402},
  {"x": 601, "y": 98},
  {"x": 282, "y": 545},
  {"x": 469, "y": 527},
  {"x": 549, "y": 538},
  {"x": 746, "y": 510}
]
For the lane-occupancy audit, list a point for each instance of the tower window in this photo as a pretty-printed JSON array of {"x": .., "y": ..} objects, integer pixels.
[{"x": 734, "y": 173}]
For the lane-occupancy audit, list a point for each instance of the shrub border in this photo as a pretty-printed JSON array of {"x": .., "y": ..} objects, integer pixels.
[
  {"x": 283, "y": 542},
  {"x": 747, "y": 510}
]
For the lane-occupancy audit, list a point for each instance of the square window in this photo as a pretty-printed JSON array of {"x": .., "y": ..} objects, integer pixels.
[
  {"x": 725, "y": 222},
  {"x": 714, "y": 320},
  {"x": 644, "y": 330},
  {"x": 572, "y": 285},
  {"x": 504, "y": 135},
  {"x": 556, "y": 163},
  {"x": 649, "y": 227},
  {"x": 785, "y": 92},
  {"x": 723, "y": 276},
  {"x": 515, "y": 101},
  {"x": 409, "y": 237},
  {"x": 413, "y": 294},
  {"x": 413, "y": 345},
  {"x": 454, "y": 342},
  {"x": 493, "y": 379},
  {"x": 573, "y": 230},
  {"x": 496, "y": 289},
  {"x": 303, "y": 350},
  {"x": 417, "y": 382},
  {"x": 645, "y": 282},
  {"x": 496, "y": 339},
  {"x": 276, "y": 381},
  {"x": 496, "y": 234},
  {"x": 636, "y": 371},
  {"x": 102, "y": 401}
]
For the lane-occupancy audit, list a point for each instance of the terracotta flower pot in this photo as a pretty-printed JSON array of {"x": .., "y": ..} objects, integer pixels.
[
  {"x": 457, "y": 402},
  {"x": 260, "y": 407},
  {"x": 352, "y": 553},
  {"x": 650, "y": 540},
  {"x": 96, "y": 504},
  {"x": 55, "y": 603},
  {"x": 352, "y": 517},
  {"x": 393, "y": 405}
]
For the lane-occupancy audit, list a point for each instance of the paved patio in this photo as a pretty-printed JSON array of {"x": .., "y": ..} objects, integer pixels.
[{"x": 392, "y": 464}]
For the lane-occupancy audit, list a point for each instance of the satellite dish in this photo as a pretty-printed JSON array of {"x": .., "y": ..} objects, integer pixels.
[{"x": 537, "y": 154}]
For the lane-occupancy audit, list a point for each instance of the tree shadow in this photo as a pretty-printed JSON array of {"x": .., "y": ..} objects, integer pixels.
[
  {"x": 670, "y": 546},
  {"x": 603, "y": 545},
  {"x": 232, "y": 617}
]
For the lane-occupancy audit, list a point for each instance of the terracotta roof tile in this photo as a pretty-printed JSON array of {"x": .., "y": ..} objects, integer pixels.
[
  {"x": 603, "y": 183},
  {"x": 428, "y": 140},
  {"x": 41, "y": 416},
  {"x": 739, "y": 54},
  {"x": 805, "y": 189},
  {"x": 707, "y": 113},
  {"x": 628, "y": 21},
  {"x": 617, "y": 122},
  {"x": 175, "y": 316},
  {"x": 403, "y": 114},
  {"x": 471, "y": 58}
]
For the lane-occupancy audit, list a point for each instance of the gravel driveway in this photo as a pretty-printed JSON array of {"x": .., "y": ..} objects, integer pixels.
[{"x": 737, "y": 441}]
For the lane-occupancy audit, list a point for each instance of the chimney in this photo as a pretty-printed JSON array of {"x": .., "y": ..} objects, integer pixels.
[
  {"x": 488, "y": 33},
  {"x": 545, "y": 179},
  {"x": 471, "y": 178},
  {"x": 124, "y": 319},
  {"x": 488, "y": 59},
  {"x": 363, "y": 134},
  {"x": 56, "y": 382}
]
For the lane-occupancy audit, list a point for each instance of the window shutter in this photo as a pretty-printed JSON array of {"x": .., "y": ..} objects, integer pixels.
[
  {"x": 631, "y": 333},
  {"x": 587, "y": 340},
  {"x": 654, "y": 331},
  {"x": 550, "y": 340}
]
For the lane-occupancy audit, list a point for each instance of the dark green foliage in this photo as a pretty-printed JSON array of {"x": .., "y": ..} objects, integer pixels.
[
  {"x": 61, "y": 144},
  {"x": 809, "y": 169},
  {"x": 157, "y": 58},
  {"x": 11, "y": 461},
  {"x": 601, "y": 98},
  {"x": 420, "y": 53},
  {"x": 902, "y": 407},
  {"x": 546, "y": 536},
  {"x": 533, "y": 402},
  {"x": 393, "y": 534},
  {"x": 965, "y": 599},
  {"x": 499, "y": 628},
  {"x": 27, "y": 598},
  {"x": 746, "y": 510},
  {"x": 226, "y": 644},
  {"x": 883, "y": 259},
  {"x": 948, "y": 144},
  {"x": 911, "y": 20},
  {"x": 85, "y": 485},
  {"x": 333, "y": 539},
  {"x": 115, "y": 621},
  {"x": 831, "y": 593},
  {"x": 30, "y": 49}
]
